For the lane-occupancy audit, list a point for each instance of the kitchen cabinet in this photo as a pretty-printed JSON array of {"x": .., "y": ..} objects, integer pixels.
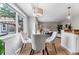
[{"x": 70, "y": 41}]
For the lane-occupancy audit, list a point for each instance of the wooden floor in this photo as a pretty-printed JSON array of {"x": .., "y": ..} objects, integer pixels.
[{"x": 51, "y": 49}]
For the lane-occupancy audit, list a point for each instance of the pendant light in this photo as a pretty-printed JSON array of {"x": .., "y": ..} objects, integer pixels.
[
  {"x": 69, "y": 14},
  {"x": 37, "y": 11}
]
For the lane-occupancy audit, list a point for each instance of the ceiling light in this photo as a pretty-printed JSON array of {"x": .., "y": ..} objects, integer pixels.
[
  {"x": 37, "y": 11},
  {"x": 69, "y": 15}
]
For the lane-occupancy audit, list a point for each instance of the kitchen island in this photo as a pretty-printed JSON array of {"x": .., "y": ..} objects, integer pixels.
[{"x": 70, "y": 40}]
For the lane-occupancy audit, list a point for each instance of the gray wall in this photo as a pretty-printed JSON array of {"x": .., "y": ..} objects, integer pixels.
[
  {"x": 52, "y": 26},
  {"x": 25, "y": 25},
  {"x": 31, "y": 26}
]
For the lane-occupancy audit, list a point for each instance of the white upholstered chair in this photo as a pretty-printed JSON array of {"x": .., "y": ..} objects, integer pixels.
[
  {"x": 38, "y": 43},
  {"x": 51, "y": 39},
  {"x": 24, "y": 39}
]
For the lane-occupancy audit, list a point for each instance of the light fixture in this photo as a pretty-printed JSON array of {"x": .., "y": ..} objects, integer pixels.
[
  {"x": 69, "y": 15},
  {"x": 37, "y": 11}
]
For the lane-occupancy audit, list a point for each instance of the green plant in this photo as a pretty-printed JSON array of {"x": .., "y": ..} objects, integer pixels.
[
  {"x": 2, "y": 48},
  {"x": 59, "y": 28}
]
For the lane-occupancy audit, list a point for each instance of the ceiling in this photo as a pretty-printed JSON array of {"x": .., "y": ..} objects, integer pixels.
[{"x": 51, "y": 11}]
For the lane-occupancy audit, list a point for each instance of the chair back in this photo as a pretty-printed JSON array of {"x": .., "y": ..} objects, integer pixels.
[
  {"x": 23, "y": 37},
  {"x": 38, "y": 41},
  {"x": 53, "y": 36}
]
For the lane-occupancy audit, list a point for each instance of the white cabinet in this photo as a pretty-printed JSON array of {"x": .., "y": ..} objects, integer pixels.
[
  {"x": 70, "y": 41},
  {"x": 77, "y": 44}
]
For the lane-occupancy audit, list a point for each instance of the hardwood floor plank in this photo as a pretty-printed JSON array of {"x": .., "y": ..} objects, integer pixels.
[{"x": 51, "y": 49}]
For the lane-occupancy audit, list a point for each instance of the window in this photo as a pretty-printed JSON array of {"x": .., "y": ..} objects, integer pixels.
[
  {"x": 4, "y": 27},
  {"x": 6, "y": 11},
  {"x": 7, "y": 16},
  {"x": 20, "y": 23}
]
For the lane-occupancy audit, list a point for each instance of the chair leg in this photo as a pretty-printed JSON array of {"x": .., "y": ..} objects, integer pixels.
[
  {"x": 32, "y": 52},
  {"x": 55, "y": 48},
  {"x": 43, "y": 51},
  {"x": 46, "y": 50},
  {"x": 24, "y": 45}
]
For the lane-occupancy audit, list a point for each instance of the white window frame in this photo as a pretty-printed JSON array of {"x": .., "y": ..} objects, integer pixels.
[{"x": 18, "y": 12}]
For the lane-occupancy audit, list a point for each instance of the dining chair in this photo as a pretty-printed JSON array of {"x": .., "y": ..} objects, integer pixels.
[
  {"x": 38, "y": 43},
  {"x": 51, "y": 40},
  {"x": 24, "y": 39}
]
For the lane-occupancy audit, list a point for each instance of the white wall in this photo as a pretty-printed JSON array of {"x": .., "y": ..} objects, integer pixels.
[
  {"x": 74, "y": 22},
  {"x": 52, "y": 26}
]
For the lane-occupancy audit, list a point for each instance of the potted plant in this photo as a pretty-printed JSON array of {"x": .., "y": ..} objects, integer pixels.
[
  {"x": 59, "y": 27},
  {"x": 2, "y": 47},
  {"x": 70, "y": 27},
  {"x": 66, "y": 25}
]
